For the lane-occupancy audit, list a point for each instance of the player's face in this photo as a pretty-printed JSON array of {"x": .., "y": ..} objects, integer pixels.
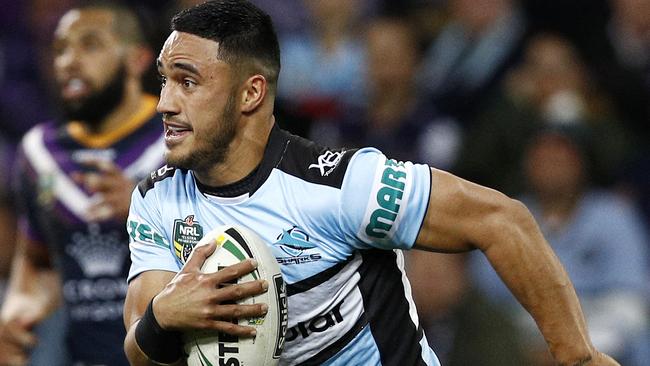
[
  {"x": 198, "y": 100},
  {"x": 89, "y": 64}
]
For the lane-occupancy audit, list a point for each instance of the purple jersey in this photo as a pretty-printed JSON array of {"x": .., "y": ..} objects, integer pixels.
[{"x": 93, "y": 257}]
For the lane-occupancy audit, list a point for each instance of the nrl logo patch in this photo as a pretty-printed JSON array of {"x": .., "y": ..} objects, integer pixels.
[{"x": 187, "y": 233}]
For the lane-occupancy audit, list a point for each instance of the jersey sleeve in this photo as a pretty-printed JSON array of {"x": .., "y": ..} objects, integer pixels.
[
  {"x": 383, "y": 201},
  {"x": 150, "y": 249},
  {"x": 26, "y": 195}
]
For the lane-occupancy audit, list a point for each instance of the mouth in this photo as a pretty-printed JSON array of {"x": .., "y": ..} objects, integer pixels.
[
  {"x": 176, "y": 132},
  {"x": 75, "y": 88}
]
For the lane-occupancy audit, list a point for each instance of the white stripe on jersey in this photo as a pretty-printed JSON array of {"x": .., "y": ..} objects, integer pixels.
[
  {"x": 329, "y": 309},
  {"x": 148, "y": 161},
  {"x": 407, "y": 288},
  {"x": 65, "y": 190}
]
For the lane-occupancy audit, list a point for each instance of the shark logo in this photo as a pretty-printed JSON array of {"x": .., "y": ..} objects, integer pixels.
[{"x": 293, "y": 247}]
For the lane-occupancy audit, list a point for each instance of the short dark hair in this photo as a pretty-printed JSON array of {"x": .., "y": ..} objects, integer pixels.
[
  {"x": 131, "y": 25},
  {"x": 244, "y": 32}
]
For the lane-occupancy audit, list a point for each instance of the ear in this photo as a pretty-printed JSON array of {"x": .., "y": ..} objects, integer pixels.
[
  {"x": 253, "y": 93},
  {"x": 138, "y": 60}
]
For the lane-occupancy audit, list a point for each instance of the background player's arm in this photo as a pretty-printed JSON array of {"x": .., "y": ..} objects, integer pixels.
[
  {"x": 34, "y": 292},
  {"x": 463, "y": 216},
  {"x": 34, "y": 286}
]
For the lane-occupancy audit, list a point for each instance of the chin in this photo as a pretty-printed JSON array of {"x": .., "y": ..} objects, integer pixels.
[{"x": 173, "y": 159}]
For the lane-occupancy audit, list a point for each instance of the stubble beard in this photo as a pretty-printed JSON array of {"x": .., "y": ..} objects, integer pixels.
[{"x": 213, "y": 149}]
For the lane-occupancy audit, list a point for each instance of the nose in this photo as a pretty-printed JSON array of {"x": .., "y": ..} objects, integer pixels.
[
  {"x": 67, "y": 59},
  {"x": 167, "y": 104}
]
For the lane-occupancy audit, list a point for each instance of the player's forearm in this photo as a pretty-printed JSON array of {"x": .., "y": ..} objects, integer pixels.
[
  {"x": 528, "y": 266},
  {"x": 135, "y": 355},
  {"x": 33, "y": 291}
]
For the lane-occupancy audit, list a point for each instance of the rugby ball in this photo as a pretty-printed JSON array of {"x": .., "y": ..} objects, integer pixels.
[{"x": 236, "y": 244}]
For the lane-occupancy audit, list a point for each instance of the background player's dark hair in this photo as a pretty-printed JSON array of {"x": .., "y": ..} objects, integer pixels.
[
  {"x": 244, "y": 32},
  {"x": 133, "y": 24}
]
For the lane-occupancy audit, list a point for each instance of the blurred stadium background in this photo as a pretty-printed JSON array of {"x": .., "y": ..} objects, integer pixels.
[{"x": 547, "y": 101}]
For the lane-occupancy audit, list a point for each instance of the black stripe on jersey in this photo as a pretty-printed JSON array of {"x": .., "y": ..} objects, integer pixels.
[
  {"x": 240, "y": 240},
  {"x": 387, "y": 309},
  {"x": 156, "y": 176},
  {"x": 317, "y": 279},
  {"x": 304, "y": 159},
  {"x": 334, "y": 348}
]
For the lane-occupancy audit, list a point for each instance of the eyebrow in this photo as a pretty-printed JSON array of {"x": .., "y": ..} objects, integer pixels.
[{"x": 181, "y": 65}]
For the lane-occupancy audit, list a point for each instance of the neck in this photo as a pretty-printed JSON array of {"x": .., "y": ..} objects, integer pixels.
[
  {"x": 128, "y": 107},
  {"x": 245, "y": 153}
]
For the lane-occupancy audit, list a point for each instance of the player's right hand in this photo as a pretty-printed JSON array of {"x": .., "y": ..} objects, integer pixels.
[
  {"x": 196, "y": 300},
  {"x": 16, "y": 340}
]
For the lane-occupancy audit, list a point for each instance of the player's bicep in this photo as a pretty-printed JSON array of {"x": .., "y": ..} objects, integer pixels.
[
  {"x": 140, "y": 292},
  {"x": 460, "y": 214},
  {"x": 149, "y": 243}
]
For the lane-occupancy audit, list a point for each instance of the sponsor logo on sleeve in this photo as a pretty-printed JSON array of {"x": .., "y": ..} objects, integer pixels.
[
  {"x": 143, "y": 233},
  {"x": 388, "y": 198}
]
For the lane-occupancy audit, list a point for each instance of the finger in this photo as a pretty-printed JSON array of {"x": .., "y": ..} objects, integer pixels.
[
  {"x": 233, "y": 272},
  {"x": 102, "y": 165},
  {"x": 19, "y": 336},
  {"x": 14, "y": 360},
  {"x": 93, "y": 182},
  {"x": 13, "y": 356},
  {"x": 239, "y": 311},
  {"x": 229, "y": 328},
  {"x": 198, "y": 256},
  {"x": 241, "y": 291},
  {"x": 115, "y": 205},
  {"x": 100, "y": 212}
]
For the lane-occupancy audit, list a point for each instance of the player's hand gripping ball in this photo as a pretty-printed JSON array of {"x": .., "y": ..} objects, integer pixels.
[{"x": 236, "y": 244}]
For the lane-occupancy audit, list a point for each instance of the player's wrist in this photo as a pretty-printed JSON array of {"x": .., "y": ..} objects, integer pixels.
[
  {"x": 576, "y": 356},
  {"x": 161, "y": 346}
]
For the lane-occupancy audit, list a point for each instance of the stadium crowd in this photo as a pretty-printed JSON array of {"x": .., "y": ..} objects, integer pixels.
[{"x": 546, "y": 101}]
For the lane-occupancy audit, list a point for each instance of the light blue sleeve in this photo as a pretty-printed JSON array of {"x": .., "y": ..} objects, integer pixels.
[
  {"x": 150, "y": 248},
  {"x": 383, "y": 201}
]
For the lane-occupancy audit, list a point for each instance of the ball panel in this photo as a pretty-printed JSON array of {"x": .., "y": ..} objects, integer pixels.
[{"x": 235, "y": 244}]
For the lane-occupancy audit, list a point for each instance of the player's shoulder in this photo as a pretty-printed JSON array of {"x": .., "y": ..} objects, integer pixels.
[
  {"x": 42, "y": 132},
  {"x": 315, "y": 163},
  {"x": 161, "y": 174}
]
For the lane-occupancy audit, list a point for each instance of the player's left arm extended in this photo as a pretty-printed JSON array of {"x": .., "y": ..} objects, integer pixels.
[{"x": 464, "y": 216}]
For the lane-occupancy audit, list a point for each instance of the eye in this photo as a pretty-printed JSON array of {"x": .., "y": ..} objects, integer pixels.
[{"x": 188, "y": 83}]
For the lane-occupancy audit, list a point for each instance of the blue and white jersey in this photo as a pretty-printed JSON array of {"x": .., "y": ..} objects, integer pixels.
[{"x": 336, "y": 221}]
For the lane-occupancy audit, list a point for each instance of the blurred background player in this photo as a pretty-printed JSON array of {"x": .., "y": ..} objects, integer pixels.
[
  {"x": 394, "y": 111},
  {"x": 456, "y": 317},
  {"x": 73, "y": 185},
  {"x": 597, "y": 235}
]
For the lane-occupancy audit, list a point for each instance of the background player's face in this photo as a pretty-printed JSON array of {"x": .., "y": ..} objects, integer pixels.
[
  {"x": 89, "y": 64},
  {"x": 554, "y": 165},
  {"x": 198, "y": 100}
]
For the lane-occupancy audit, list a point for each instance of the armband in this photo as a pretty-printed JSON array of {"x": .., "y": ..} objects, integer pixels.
[{"x": 160, "y": 345}]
